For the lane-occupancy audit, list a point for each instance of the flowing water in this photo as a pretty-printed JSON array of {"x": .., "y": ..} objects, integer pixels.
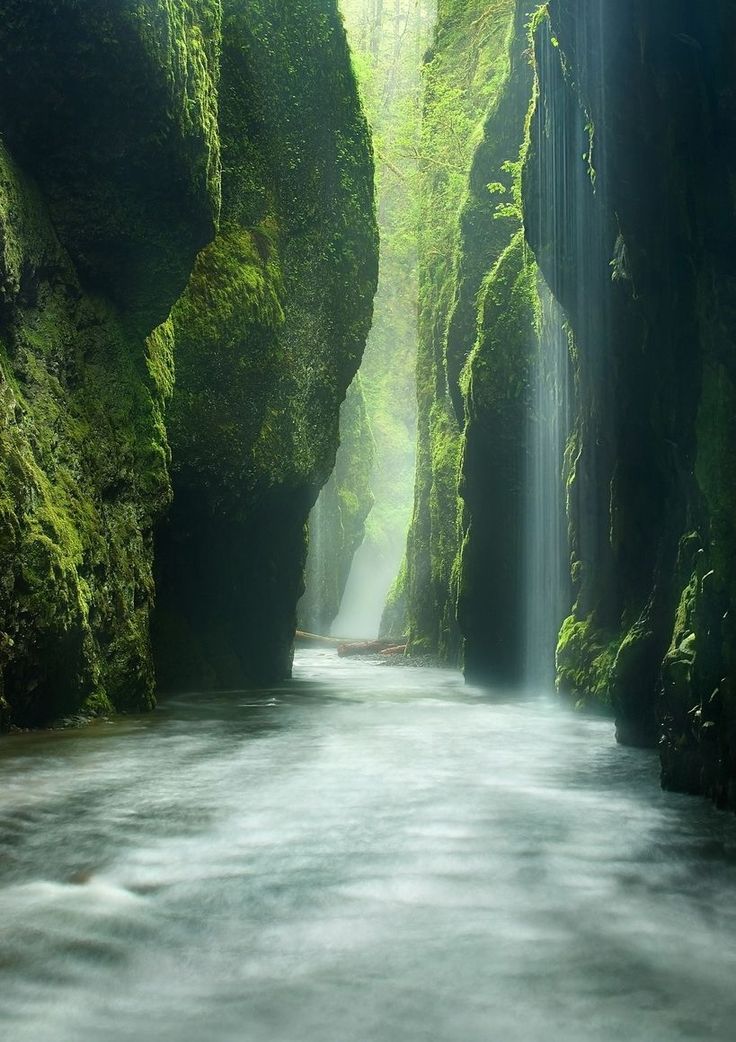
[
  {"x": 367, "y": 854},
  {"x": 548, "y": 589}
]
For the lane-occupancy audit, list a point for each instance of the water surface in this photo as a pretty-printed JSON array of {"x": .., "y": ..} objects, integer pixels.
[{"x": 367, "y": 854}]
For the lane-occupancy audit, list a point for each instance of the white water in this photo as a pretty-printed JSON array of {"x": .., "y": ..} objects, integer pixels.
[
  {"x": 319, "y": 560},
  {"x": 368, "y": 854},
  {"x": 371, "y": 577},
  {"x": 548, "y": 585}
]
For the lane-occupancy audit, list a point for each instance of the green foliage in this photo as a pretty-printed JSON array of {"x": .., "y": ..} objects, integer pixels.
[
  {"x": 465, "y": 74},
  {"x": 387, "y": 54},
  {"x": 586, "y": 657},
  {"x": 83, "y": 457},
  {"x": 279, "y": 306}
]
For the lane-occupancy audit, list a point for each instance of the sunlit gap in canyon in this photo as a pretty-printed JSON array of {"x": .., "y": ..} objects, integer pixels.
[{"x": 358, "y": 527}]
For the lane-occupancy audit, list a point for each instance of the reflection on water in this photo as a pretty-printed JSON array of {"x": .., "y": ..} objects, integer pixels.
[{"x": 368, "y": 854}]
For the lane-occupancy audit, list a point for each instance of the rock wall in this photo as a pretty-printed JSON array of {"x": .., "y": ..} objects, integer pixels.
[
  {"x": 465, "y": 71},
  {"x": 645, "y": 271},
  {"x": 625, "y": 196},
  {"x": 278, "y": 310},
  {"x": 492, "y": 339},
  {"x": 114, "y": 123},
  {"x": 108, "y": 187}
]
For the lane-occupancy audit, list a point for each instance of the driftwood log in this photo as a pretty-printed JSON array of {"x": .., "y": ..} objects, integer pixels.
[
  {"x": 315, "y": 638},
  {"x": 354, "y": 648},
  {"x": 370, "y": 647}
]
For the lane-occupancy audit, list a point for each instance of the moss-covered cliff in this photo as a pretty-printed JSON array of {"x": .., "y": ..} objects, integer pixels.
[
  {"x": 108, "y": 187},
  {"x": 644, "y": 266},
  {"x": 465, "y": 69},
  {"x": 492, "y": 341},
  {"x": 498, "y": 383},
  {"x": 112, "y": 110},
  {"x": 114, "y": 122},
  {"x": 627, "y": 205},
  {"x": 268, "y": 338}
]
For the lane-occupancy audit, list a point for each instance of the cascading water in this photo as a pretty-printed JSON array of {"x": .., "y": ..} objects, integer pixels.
[
  {"x": 573, "y": 246},
  {"x": 547, "y": 552},
  {"x": 311, "y": 607},
  {"x": 547, "y": 546}
]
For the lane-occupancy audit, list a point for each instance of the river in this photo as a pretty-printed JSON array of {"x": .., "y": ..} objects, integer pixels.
[{"x": 365, "y": 854}]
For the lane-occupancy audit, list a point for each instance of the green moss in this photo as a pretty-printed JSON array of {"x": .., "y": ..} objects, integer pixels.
[
  {"x": 395, "y": 619},
  {"x": 538, "y": 17},
  {"x": 467, "y": 69},
  {"x": 497, "y": 390},
  {"x": 138, "y": 81},
  {"x": 94, "y": 252},
  {"x": 496, "y": 374},
  {"x": 280, "y": 306},
  {"x": 586, "y": 657},
  {"x": 82, "y": 477}
]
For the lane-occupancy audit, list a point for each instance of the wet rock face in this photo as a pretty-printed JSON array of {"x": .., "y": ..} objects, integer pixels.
[
  {"x": 492, "y": 338},
  {"x": 114, "y": 121},
  {"x": 474, "y": 51},
  {"x": 112, "y": 109},
  {"x": 280, "y": 306},
  {"x": 108, "y": 186},
  {"x": 492, "y": 605},
  {"x": 650, "y": 296}
]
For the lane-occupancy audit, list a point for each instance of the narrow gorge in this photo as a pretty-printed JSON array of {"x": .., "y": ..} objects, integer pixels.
[{"x": 367, "y": 520}]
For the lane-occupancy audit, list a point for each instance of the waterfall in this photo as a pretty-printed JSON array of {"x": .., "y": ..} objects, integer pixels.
[
  {"x": 562, "y": 150},
  {"x": 314, "y": 606},
  {"x": 370, "y": 579},
  {"x": 547, "y": 593}
]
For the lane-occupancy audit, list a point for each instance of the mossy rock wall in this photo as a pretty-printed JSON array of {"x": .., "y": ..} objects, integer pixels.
[
  {"x": 152, "y": 149},
  {"x": 112, "y": 108},
  {"x": 108, "y": 186},
  {"x": 493, "y": 336},
  {"x": 269, "y": 336},
  {"x": 465, "y": 75},
  {"x": 644, "y": 268},
  {"x": 498, "y": 387}
]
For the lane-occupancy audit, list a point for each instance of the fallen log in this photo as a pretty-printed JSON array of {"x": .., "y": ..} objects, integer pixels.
[
  {"x": 315, "y": 638},
  {"x": 347, "y": 647},
  {"x": 364, "y": 647},
  {"x": 396, "y": 649}
]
